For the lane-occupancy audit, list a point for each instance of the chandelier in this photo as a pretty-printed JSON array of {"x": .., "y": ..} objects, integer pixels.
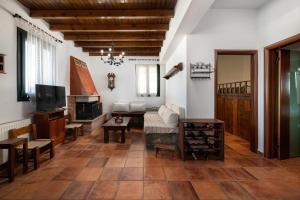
[{"x": 111, "y": 59}]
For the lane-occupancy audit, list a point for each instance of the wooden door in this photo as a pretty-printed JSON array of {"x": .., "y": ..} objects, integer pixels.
[{"x": 283, "y": 103}]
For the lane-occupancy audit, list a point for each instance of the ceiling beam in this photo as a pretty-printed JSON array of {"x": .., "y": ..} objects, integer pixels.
[
  {"x": 122, "y": 36},
  {"x": 109, "y": 27},
  {"x": 136, "y": 13},
  {"x": 130, "y": 54},
  {"x": 120, "y": 50},
  {"x": 105, "y": 44}
]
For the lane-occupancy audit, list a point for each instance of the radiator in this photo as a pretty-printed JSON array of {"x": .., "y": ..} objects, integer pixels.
[{"x": 4, "y": 128}]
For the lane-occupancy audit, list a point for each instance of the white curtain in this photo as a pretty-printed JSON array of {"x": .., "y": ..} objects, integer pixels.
[
  {"x": 146, "y": 80},
  {"x": 40, "y": 61}
]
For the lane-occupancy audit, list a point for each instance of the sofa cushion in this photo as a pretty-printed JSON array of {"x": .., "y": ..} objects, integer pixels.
[
  {"x": 121, "y": 107},
  {"x": 170, "y": 118},
  {"x": 137, "y": 106},
  {"x": 161, "y": 110}
]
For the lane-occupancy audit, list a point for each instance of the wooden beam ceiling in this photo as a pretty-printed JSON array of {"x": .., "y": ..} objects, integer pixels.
[
  {"x": 122, "y": 36},
  {"x": 105, "y": 44},
  {"x": 137, "y": 27},
  {"x": 137, "y": 13},
  {"x": 109, "y": 27},
  {"x": 124, "y": 49},
  {"x": 128, "y": 54}
]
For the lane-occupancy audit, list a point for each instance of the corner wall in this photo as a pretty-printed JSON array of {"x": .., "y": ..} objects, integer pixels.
[{"x": 176, "y": 86}]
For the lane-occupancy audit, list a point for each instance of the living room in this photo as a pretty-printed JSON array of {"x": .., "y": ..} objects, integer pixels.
[{"x": 134, "y": 90}]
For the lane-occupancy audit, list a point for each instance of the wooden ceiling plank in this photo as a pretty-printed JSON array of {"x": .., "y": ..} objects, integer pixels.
[
  {"x": 114, "y": 37},
  {"x": 118, "y": 44},
  {"x": 136, "y": 13},
  {"x": 129, "y": 54},
  {"x": 119, "y": 50},
  {"x": 109, "y": 27}
]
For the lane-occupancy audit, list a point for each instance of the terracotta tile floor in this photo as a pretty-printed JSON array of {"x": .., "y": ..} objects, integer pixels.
[{"x": 90, "y": 169}]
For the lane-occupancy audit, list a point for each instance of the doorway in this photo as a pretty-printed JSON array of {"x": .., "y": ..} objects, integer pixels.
[
  {"x": 282, "y": 99},
  {"x": 236, "y": 93}
]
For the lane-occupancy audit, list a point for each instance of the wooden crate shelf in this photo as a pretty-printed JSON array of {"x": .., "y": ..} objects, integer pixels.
[{"x": 201, "y": 138}]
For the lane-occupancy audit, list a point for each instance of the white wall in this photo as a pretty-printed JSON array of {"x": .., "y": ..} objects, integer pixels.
[
  {"x": 125, "y": 85},
  {"x": 219, "y": 29},
  {"x": 176, "y": 86},
  {"x": 234, "y": 68},
  {"x": 11, "y": 110}
]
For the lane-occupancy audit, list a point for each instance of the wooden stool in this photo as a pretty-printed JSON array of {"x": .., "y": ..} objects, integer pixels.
[{"x": 165, "y": 147}]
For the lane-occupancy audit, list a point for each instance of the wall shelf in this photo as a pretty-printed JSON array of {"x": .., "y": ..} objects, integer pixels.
[{"x": 174, "y": 71}]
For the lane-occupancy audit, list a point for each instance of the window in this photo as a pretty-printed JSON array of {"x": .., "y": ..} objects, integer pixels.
[
  {"x": 36, "y": 58},
  {"x": 148, "y": 80}
]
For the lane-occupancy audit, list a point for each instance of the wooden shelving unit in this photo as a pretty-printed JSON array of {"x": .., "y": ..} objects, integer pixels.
[
  {"x": 2, "y": 64},
  {"x": 201, "y": 139},
  {"x": 174, "y": 71}
]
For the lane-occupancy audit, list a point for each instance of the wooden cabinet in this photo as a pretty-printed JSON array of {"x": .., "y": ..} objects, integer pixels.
[{"x": 50, "y": 125}]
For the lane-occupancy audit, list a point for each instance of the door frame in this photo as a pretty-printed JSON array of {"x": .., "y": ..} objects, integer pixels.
[
  {"x": 254, "y": 89},
  {"x": 270, "y": 136}
]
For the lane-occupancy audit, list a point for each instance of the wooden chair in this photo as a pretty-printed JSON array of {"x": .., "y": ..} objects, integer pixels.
[
  {"x": 36, "y": 147},
  {"x": 72, "y": 128}
]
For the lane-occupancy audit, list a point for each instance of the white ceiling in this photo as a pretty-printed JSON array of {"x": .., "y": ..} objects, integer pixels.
[{"x": 239, "y": 4}]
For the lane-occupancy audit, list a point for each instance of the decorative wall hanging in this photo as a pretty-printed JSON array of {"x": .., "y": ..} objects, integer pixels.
[
  {"x": 111, "y": 80},
  {"x": 2, "y": 63},
  {"x": 201, "y": 70}
]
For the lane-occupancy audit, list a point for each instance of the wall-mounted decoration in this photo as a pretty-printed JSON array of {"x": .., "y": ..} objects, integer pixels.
[
  {"x": 174, "y": 71},
  {"x": 2, "y": 63},
  {"x": 201, "y": 70},
  {"x": 111, "y": 80}
]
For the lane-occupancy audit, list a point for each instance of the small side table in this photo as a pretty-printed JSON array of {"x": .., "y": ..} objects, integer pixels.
[{"x": 10, "y": 145}]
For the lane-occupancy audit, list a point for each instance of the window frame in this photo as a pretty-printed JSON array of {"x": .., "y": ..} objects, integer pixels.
[
  {"x": 21, "y": 46},
  {"x": 148, "y": 85}
]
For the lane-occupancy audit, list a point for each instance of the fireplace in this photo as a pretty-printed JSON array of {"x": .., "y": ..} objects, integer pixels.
[{"x": 88, "y": 110}]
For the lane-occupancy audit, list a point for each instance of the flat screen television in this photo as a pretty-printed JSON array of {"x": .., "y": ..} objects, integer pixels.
[
  {"x": 49, "y": 97},
  {"x": 60, "y": 93}
]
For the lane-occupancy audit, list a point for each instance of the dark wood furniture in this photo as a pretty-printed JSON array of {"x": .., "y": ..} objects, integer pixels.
[
  {"x": 50, "y": 125},
  {"x": 165, "y": 147},
  {"x": 137, "y": 118},
  {"x": 174, "y": 70},
  {"x": 248, "y": 98},
  {"x": 111, "y": 125},
  {"x": 2, "y": 63},
  {"x": 201, "y": 138},
  {"x": 11, "y": 145},
  {"x": 36, "y": 146}
]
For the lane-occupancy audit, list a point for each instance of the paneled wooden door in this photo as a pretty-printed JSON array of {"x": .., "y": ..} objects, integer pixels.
[{"x": 227, "y": 109}]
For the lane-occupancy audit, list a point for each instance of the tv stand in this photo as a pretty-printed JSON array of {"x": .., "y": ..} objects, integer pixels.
[{"x": 50, "y": 125}]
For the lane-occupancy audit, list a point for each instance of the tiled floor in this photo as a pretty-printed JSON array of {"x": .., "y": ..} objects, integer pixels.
[{"x": 90, "y": 169}]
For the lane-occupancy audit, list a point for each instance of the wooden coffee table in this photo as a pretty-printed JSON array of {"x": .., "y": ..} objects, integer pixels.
[{"x": 111, "y": 125}]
